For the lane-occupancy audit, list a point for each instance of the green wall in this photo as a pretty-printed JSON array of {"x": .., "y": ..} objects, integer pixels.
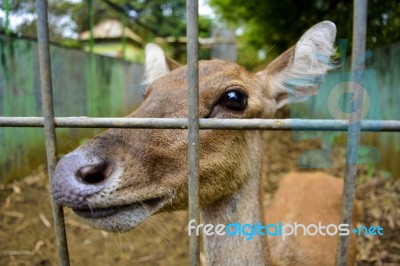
[{"x": 83, "y": 85}]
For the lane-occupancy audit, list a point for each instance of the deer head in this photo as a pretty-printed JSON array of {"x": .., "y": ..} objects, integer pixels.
[{"x": 123, "y": 176}]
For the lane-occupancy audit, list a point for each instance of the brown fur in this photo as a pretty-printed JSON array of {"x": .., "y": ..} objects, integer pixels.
[{"x": 309, "y": 198}]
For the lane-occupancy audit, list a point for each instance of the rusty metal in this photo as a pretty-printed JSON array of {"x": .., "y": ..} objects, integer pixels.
[
  {"x": 49, "y": 123},
  {"x": 353, "y": 137}
]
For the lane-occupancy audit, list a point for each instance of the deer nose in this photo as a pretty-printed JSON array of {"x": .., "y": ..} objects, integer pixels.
[
  {"x": 95, "y": 173},
  {"x": 79, "y": 176}
]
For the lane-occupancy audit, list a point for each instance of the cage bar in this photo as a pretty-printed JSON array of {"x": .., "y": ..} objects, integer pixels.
[
  {"x": 204, "y": 123},
  {"x": 353, "y": 134},
  {"x": 49, "y": 123},
  {"x": 192, "y": 32}
]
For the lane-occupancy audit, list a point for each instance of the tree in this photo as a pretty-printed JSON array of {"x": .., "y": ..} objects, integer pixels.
[
  {"x": 277, "y": 25},
  {"x": 160, "y": 18},
  {"x": 147, "y": 18},
  {"x": 24, "y": 12}
]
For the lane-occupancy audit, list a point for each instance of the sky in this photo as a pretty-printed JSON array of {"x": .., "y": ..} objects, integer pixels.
[
  {"x": 205, "y": 9},
  {"x": 15, "y": 20}
]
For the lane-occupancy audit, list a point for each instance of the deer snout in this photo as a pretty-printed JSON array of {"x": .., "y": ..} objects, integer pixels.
[{"x": 78, "y": 176}]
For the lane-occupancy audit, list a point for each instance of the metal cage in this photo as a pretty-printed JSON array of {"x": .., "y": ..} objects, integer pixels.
[{"x": 194, "y": 124}]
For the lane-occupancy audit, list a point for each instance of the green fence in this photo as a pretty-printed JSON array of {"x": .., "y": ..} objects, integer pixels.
[{"x": 83, "y": 85}]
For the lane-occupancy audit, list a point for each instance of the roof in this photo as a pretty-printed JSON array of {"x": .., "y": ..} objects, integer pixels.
[{"x": 110, "y": 29}]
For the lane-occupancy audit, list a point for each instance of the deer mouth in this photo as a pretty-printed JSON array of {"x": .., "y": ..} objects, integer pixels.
[
  {"x": 100, "y": 212},
  {"x": 123, "y": 217}
]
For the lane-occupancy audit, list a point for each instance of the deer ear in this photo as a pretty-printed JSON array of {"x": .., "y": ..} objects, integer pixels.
[
  {"x": 298, "y": 72},
  {"x": 157, "y": 64}
]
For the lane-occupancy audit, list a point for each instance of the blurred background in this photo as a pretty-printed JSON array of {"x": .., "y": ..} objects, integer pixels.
[{"x": 260, "y": 26}]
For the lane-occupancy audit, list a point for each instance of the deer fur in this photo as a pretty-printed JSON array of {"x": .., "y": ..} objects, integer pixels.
[{"x": 123, "y": 176}]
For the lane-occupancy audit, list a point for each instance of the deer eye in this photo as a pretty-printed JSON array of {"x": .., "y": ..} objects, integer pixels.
[{"x": 235, "y": 100}]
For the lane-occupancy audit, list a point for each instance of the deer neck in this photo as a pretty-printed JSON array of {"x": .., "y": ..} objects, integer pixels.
[{"x": 244, "y": 207}]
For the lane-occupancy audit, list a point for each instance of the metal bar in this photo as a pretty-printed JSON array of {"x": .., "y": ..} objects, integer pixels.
[
  {"x": 49, "y": 123},
  {"x": 353, "y": 139},
  {"x": 192, "y": 33},
  {"x": 182, "y": 123}
]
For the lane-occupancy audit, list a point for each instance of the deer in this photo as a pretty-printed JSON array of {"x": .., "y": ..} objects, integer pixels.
[{"x": 123, "y": 176}]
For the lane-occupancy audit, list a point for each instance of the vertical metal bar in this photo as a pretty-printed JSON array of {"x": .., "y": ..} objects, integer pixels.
[
  {"x": 193, "y": 140},
  {"x": 353, "y": 138},
  {"x": 49, "y": 123}
]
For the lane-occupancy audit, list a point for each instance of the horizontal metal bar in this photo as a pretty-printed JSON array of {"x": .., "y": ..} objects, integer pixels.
[{"x": 205, "y": 123}]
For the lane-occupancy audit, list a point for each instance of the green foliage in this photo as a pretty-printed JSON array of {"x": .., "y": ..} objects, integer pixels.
[
  {"x": 205, "y": 24},
  {"x": 165, "y": 17},
  {"x": 279, "y": 24},
  {"x": 147, "y": 18},
  {"x": 161, "y": 18}
]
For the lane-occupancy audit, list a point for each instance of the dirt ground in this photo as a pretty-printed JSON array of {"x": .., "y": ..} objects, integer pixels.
[{"x": 27, "y": 237}]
